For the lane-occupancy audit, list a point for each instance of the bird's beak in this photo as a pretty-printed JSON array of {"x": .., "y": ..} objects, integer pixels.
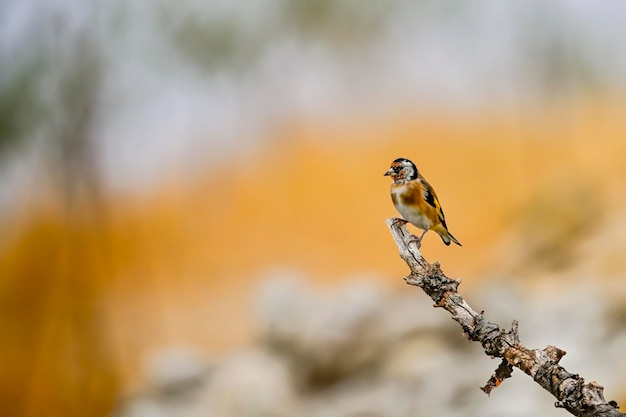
[{"x": 389, "y": 172}]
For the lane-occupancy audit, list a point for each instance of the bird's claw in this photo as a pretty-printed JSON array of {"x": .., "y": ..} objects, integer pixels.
[
  {"x": 399, "y": 220},
  {"x": 416, "y": 240}
]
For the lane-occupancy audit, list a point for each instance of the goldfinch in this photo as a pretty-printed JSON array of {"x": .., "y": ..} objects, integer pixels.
[{"x": 416, "y": 200}]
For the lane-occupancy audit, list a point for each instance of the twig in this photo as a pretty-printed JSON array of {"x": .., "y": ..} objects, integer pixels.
[{"x": 580, "y": 398}]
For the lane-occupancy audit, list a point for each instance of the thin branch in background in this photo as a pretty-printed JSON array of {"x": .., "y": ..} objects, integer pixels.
[{"x": 575, "y": 395}]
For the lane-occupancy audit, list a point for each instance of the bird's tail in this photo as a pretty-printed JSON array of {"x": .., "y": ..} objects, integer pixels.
[{"x": 447, "y": 236}]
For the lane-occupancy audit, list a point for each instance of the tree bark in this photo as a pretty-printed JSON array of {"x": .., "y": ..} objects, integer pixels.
[{"x": 580, "y": 398}]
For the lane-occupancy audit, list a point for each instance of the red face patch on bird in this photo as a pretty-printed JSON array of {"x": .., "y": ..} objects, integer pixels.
[
  {"x": 395, "y": 171},
  {"x": 402, "y": 170}
]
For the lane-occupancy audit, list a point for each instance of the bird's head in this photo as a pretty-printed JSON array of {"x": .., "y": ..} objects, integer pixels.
[{"x": 402, "y": 170}]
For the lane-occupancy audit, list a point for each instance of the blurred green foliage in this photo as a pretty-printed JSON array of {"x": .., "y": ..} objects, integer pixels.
[
  {"x": 229, "y": 42},
  {"x": 20, "y": 99},
  {"x": 214, "y": 45},
  {"x": 342, "y": 22}
]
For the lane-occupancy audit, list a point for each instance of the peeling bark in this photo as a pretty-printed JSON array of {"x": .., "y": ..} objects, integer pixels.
[{"x": 580, "y": 398}]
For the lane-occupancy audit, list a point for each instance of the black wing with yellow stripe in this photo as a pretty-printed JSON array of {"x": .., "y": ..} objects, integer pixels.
[{"x": 431, "y": 198}]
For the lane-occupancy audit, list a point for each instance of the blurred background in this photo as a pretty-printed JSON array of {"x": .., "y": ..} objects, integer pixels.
[{"x": 192, "y": 203}]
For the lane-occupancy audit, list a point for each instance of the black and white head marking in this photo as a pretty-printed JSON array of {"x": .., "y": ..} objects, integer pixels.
[{"x": 404, "y": 170}]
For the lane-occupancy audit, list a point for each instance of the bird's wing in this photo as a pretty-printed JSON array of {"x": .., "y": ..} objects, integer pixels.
[{"x": 431, "y": 198}]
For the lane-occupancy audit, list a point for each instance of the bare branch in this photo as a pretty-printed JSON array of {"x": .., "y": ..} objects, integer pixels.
[
  {"x": 503, "y": 372},
  {"x": 570, "y": 390}
]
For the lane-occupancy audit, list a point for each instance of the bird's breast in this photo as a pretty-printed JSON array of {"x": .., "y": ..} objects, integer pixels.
[{"x": 407, "y": 202}]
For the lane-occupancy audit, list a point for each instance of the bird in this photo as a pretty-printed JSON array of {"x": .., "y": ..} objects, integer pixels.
[{"x": 416, "y": 200}]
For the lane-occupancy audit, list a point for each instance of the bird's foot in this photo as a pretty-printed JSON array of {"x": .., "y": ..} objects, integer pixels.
[
  {"x": 399, "y": 220},
  {"x": 416, "y": 240}
]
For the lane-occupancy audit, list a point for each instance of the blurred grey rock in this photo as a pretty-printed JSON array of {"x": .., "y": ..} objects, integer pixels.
[
  {"x": 250, "y": 383},
  {"x": 327, "y": 336},
  {"x": 175, "y": 371},
  {"x": 361, "y": 351},
  {"x": 246, "y": 383}
]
